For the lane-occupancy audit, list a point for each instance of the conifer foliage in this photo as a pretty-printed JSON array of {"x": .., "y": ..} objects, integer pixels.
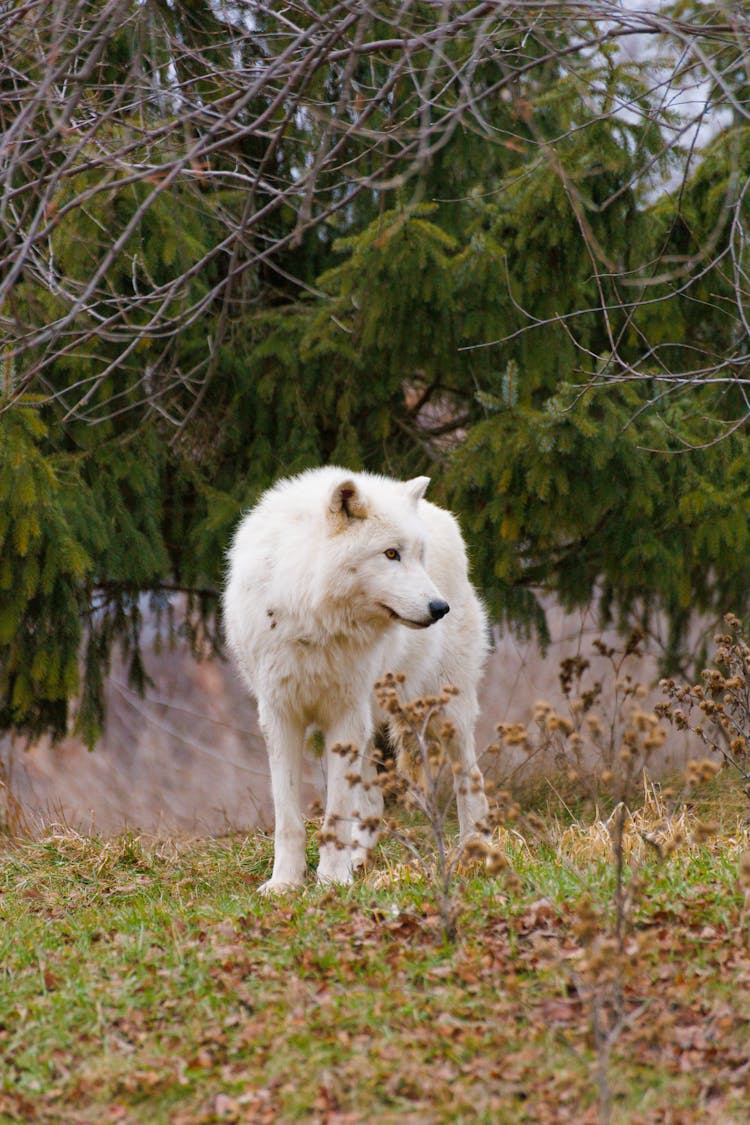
[{"x": 481, "y": 241}]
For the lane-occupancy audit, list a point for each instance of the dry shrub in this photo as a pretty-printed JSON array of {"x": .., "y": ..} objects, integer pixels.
[
  {"x": 717, "y": 710},
  {"x": 604, "y": 739}
]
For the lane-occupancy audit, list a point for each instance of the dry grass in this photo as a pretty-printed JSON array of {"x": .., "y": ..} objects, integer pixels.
[
  {"x": 659, "y": 824},
  {"x": 13, "y": 820}
]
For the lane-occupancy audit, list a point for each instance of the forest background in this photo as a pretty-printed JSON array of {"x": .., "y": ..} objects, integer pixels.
[{"x": 501, "y": 244}]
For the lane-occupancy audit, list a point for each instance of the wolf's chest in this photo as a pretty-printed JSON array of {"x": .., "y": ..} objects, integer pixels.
[{"x": 318, "y": 675}]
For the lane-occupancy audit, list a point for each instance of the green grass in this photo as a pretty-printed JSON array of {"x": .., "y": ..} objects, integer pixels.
[{"x": 147, "y": 982}]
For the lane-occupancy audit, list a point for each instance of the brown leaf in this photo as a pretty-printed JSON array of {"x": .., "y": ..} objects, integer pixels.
[
  {"x": 224, "y": 1106},
  {"x": 557, "y": 1011},
  {"x": 51, "y": 980}
]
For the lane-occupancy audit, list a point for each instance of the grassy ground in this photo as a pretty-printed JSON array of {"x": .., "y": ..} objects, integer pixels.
[{"x": 146, "y": 982}]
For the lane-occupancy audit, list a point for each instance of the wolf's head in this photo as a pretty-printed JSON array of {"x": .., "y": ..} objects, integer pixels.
[{"x": 378, "y": 545}]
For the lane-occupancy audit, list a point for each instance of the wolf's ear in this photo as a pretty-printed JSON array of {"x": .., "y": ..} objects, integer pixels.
[
  {"x": 416, "y": 488},
  {"x": 347, "y": 503}
]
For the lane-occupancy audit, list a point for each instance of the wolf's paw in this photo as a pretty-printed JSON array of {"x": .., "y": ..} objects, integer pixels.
[
  {"x": 480, "y": 830},
  {"x": 473, "y": 816},
  {"x": 363, "y": 845},
  {"x": 339, "y": 875},
  {"x": 474, "y": 845},
  {"x": 279, "y": 886}
]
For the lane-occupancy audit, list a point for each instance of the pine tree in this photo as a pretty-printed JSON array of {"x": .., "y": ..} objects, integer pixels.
[{"x": 524, "y": 312}]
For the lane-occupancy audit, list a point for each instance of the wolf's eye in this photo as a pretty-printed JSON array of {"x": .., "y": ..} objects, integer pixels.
[{"x": 393, "y": 554}]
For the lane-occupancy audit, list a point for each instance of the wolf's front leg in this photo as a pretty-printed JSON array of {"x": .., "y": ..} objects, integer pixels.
[
  {"x": 471, "y": 800},
  {"x": 368, "y": 810},
  {"x": 336, "y": 860},
  {"x": 284, "y": 740}
]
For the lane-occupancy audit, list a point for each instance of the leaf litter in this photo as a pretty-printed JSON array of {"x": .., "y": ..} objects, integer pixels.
[{"x": 152, "y": 984}]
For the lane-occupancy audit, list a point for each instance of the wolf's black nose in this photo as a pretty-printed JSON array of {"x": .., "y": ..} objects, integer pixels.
[{"x": 438, "y": 609}]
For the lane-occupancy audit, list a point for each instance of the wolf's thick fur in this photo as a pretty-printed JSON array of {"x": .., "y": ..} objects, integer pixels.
[{"x": 335, "y": 578}]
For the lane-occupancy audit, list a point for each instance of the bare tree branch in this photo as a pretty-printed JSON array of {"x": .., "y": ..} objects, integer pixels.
[{"x": 236, "y": 115}]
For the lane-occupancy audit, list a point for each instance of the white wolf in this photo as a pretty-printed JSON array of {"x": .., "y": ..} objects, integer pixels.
[{"x": 334, "y": 579}]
